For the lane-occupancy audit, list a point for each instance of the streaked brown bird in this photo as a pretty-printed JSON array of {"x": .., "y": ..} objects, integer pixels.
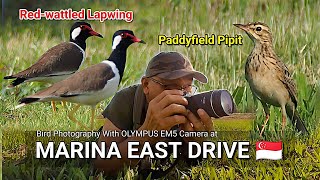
[{"x": 269, "y": 78}]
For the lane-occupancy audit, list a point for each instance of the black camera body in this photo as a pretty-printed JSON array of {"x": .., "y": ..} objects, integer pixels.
[{"x": 216, "y": 103}]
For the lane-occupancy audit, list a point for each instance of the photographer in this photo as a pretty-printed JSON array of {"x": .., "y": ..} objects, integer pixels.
[{"x": 157, "y": 103}]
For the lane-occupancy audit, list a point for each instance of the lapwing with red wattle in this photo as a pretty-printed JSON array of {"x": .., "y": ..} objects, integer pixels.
[
  {"x": 60, "y": 61},
  {"x": 93, "y": 84}
]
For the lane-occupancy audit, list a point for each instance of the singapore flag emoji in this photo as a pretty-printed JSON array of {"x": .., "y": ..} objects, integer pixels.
[{"x": 268, "y": 150}]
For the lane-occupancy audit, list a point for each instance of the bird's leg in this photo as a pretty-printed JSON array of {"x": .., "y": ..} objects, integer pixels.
[
  {"x": 284, "y": 118},
  {"x": 93, "y": 109},
  {"x": 265, "y": 124},
  {"x": 53, "y": 106},
  {"x": 71, "y": 116},
  {"x": 267, "y": 112},
  {"x": 283, "y": 124},
  {"x": 63, "y": 104}
]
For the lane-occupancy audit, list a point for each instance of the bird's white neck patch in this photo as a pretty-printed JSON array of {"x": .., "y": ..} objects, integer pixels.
[
  {"x": 116, "y": 41},
  {"x": 75, "y": 33}
]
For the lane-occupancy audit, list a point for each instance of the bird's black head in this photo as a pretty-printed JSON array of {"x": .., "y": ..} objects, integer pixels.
[
  {"x": 80, "y": 31},
  {"x": 122, "y": 39}
]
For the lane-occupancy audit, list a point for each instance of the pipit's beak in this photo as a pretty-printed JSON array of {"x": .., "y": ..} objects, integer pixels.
[{"x": 241, "y": 26}]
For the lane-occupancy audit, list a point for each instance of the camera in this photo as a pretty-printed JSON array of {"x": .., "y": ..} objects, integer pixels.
[{"x": 216, "y": 103}]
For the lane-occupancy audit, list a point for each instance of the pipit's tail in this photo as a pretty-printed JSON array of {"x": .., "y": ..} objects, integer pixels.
[{"x": 296, "y": 120}]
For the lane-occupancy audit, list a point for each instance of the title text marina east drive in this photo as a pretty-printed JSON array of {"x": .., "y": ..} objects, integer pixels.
[{"x": 198, "y": 40}]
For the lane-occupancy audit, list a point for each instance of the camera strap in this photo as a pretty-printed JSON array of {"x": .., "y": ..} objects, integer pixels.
[
  {"x": 159, "y": 173},
  {"x": 139, "y": 106}
]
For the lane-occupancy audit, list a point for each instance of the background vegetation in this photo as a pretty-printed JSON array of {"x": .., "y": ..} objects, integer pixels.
[{"x": 294, "y": 25}]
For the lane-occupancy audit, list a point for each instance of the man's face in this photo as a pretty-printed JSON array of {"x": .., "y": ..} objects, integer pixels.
[{"x": 153, "y": 86}]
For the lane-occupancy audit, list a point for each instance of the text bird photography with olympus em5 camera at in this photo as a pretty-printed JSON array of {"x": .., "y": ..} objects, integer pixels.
[{"x": 160, "y": 89}]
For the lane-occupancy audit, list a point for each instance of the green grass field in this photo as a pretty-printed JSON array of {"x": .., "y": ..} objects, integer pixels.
[{"x": 295, "y": 28}]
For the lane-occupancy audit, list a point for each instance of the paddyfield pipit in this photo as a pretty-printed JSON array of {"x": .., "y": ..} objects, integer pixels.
[{"x": 269, "y": 78}]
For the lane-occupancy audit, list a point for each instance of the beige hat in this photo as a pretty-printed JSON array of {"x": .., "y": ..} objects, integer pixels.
[{"x": 172, "y": 65}]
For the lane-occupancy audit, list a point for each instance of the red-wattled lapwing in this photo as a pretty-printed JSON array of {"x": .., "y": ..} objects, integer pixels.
[
  {"x": 60, "y": 61},
  {"x": 93, "y": 84}
]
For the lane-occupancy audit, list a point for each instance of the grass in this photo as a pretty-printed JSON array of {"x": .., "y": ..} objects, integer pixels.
[
  {"x": 294, "y": 27},
  {"x": 233, "y": 125}
]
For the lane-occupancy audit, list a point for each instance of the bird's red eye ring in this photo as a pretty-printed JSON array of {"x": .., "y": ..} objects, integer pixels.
[
  {"x": 82, "y": 27},
  {"x": 124, "y": 35}
]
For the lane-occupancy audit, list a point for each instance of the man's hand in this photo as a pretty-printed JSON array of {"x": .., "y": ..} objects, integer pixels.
[
  {"x": 204, "y": 123},
  {"x": 165, "y": 111}
]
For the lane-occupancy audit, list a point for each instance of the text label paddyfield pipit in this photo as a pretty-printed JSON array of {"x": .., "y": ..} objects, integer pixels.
[{"x": 200, "y": 40}]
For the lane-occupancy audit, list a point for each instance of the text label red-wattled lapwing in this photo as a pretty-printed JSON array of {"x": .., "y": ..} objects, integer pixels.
[
  {"x": 60, "y": 61},
  {"x": 93, "y": 84}
]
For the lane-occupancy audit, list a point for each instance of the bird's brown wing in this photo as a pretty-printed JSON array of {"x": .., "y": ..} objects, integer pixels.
[
  {"x": 93, "y": 78},
  {"x": 64, "y": 58},
  {"x": 287, "y": 80}
]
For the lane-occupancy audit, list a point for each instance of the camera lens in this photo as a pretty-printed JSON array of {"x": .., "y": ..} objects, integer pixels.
[
  {"x": 226, "y": 103},
  {"x": 216, "y": 103}
]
